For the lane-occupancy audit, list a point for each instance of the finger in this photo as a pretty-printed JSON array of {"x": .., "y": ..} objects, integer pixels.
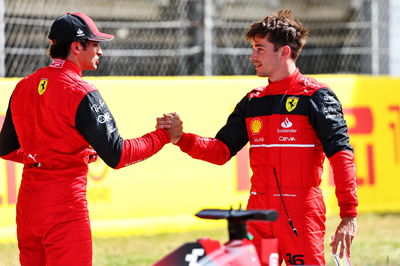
[
  {"x": 334, "y": 244},
  {"x": 164, "y": 118},
  {"x": 348, "y": 241},
  {"x": 169, "y": 115},
  {"x": 342, "y": 248},
  {"x": 164, "y": 121},
  {"x": 168, "y": 123},
  {"x": 163, "y": 126},
  {"x": 334, "y": 247}
]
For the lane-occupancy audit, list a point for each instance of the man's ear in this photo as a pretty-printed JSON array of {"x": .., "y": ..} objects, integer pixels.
[
  {"x": 286, "y": 51},
  {"x": 75, "y": 47}
]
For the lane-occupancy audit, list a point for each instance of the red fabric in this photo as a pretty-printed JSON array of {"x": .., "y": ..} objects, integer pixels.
[
  {"x": 207, "y": 149},
  {"x": 209, "y": 245},
  {"x": 269, "y": 249},
  {"x": 286, "y": 158},
  {"x": 310, "y": 224},
  {"x": 101, "y": 36},
  {"x": 53, "y": 225},
  {"x": 52, "y": 197},
  {"x": 68, "y": 243},
  {"x": 344, "y": 173},
  {"x": 18, "y": 156},
  {"x": 139, "y": 149},
  {"x": 47, "y": 120}
]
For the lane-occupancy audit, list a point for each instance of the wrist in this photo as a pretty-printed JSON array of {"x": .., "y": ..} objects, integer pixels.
[{"x": 175, "y": 140}]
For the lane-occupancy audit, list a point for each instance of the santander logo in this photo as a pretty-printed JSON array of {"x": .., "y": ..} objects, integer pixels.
[{"x": 286, "y": 123}]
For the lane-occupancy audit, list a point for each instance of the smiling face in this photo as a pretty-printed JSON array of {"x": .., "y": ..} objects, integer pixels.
[{"x": 265, "y": 57}]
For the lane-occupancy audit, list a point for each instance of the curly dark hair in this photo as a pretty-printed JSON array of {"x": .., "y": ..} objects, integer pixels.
[
  {"x": 62, "y": 50},
  {"x": 281, "y": 29}
]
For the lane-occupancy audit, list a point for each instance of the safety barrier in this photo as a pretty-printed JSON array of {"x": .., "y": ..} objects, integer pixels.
[{"x": 162, "y": 193}]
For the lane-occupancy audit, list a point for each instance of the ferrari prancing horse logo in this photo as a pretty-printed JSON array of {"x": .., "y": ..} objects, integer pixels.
[
  {"x": 42, "y": 86},
  {"x": 291, "y": 103}
]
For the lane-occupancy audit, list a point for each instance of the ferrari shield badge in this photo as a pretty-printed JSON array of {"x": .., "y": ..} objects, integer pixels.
[
  {"x": 291, "y": 103},
  {"x": 42, "y": 86}
]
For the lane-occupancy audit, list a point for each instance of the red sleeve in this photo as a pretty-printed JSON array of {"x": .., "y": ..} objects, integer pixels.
[
  {"x": 207, "y": 149},
  {"x": 139, "y": 149},
  {"x": 17, "y": 156},
  {"x": 344, "y": 172}
]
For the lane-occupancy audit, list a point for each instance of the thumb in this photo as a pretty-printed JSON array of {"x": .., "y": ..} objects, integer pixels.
[{"x": 334, "y": 244}]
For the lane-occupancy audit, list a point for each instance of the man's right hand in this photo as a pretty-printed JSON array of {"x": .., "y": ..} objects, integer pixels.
[{"x": 173, "y": 124}]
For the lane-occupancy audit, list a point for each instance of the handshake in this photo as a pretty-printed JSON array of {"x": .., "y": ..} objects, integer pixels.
[{"x": 173, "y": 124}]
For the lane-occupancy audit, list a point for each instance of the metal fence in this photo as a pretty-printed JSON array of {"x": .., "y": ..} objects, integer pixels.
[{"x": 198, "y": 37}]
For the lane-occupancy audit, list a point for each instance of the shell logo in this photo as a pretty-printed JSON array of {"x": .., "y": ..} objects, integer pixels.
[{"x": 256, "y": 125}]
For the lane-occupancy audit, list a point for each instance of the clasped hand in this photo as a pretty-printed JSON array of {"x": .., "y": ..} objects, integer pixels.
[{"x": 173, "y": 124}]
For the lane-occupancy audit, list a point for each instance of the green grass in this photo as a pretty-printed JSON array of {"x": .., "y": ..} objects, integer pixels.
[{"x": 377, "y": 243}]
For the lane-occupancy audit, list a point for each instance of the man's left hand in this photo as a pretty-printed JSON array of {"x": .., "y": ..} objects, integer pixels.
[{"x": 344, "y": 234}]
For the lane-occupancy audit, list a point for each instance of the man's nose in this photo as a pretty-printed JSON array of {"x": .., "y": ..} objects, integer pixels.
[{"x": 252, "y": 57}]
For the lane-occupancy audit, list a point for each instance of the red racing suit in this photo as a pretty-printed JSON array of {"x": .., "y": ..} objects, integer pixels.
[
  {"x": 56, "y": 124},
  {"x": 291, "y": 125}
]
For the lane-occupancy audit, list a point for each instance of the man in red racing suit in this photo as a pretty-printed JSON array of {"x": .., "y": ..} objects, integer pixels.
[
  {"x": 291, "y": 125},
  {"x": 55, "y": 125}
]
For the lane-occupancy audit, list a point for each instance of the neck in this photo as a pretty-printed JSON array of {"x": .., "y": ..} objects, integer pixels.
[
  {"x": 73, "y": 59},
  {"x": 285, "y": 71}
]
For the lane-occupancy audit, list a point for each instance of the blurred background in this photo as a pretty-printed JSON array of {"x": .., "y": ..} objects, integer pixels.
[{"x": 206, "y": 37}]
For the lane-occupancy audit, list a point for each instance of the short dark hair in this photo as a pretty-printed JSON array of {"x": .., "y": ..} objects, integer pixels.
[
  {"x": 62, "y": 50},
  {"x": 281, "y": 29}
]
